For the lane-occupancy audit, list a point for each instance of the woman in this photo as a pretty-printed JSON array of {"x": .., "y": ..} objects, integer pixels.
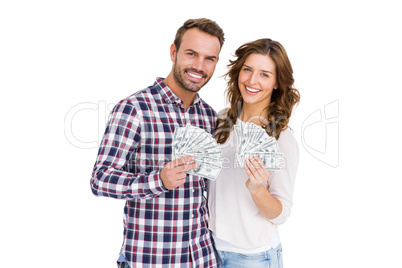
[{"x": 247, "y": 204}]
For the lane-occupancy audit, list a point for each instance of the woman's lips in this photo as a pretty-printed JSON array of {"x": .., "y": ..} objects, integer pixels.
[{"x": 251, "y": 90}]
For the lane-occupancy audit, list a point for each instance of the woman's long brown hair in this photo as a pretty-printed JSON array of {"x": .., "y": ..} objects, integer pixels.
[{"x": 283, "y": 99}]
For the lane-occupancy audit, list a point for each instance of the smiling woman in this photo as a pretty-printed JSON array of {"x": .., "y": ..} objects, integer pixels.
[
  {"x": 269, "y": 59},
  {"x": 257, "y": 80},
  {"x": 247, "y": 205}
]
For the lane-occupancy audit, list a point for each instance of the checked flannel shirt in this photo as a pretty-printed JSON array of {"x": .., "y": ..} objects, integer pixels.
[{"x": 162, "y": 228}]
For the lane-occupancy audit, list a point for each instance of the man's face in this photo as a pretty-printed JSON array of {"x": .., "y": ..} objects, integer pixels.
[{"x": 194, "y": 63}]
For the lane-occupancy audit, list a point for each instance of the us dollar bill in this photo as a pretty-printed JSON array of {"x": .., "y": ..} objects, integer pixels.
[
  {"x": 254, "y": 140},
  {"x": 191, "y": 140}
]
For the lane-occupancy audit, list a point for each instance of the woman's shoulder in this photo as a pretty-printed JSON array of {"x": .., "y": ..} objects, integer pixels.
[
  {"x": 287, "y": 141},
  {"x": 287, "y": 135}
]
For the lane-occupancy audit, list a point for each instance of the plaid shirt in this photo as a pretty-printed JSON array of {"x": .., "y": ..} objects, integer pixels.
[{"x": 162, "y": 228}]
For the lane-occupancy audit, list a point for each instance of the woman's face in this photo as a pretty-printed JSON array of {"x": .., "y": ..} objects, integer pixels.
[{"x": 257, "y": 80}]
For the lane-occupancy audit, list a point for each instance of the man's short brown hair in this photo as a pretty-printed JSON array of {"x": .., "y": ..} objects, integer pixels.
[{"x": 205, "y": 25}]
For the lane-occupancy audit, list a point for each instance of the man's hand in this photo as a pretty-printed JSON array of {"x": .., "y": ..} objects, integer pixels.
[{"x": 173, "y": 174}]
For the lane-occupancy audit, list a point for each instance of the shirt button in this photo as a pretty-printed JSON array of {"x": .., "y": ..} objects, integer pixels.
[
  {"x": 193, "y": 190},
  {"x": 192, "y": 215}
]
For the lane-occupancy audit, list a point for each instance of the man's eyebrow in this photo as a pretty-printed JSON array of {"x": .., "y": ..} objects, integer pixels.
[
  {"x": 190, "y": 50},
  {"x": 195, "y": 52},
  {"x": 265, "y": 71}
]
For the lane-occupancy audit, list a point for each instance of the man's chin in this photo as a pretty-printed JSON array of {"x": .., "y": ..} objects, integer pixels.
[
  {"x": 193, "y": 87},
  {"x": 194, "y": 90}
]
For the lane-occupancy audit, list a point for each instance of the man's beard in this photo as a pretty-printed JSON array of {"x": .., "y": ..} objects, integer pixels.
[{"x": 181, "y": 79}]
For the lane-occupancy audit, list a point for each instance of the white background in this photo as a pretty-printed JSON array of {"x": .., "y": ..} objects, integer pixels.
[{"x": 63, "y": 64}]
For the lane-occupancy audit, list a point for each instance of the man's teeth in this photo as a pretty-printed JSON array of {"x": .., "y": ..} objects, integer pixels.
[
  {"x": 253, "y": 90},
  {"x": 195, "y": 76}
]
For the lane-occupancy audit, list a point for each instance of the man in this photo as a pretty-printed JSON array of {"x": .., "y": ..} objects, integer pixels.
[{"x": 165, "y": 216}]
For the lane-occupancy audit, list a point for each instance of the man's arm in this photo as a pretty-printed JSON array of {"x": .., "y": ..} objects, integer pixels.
[{"x": 119, "y": 142}]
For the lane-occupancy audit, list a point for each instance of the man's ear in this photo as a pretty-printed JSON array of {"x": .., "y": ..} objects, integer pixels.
[{"x": 173, "y": 52}]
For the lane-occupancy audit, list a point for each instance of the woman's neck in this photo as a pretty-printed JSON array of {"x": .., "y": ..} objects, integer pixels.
[{"x": 254, "y": 114}]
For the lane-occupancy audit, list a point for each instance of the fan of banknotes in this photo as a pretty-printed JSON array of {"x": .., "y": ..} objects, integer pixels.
[
  {"x": 191, "y": 140},
  {"x": 254, "y": 140}
]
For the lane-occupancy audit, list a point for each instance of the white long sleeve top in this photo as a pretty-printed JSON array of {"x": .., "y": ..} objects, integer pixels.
[{"x": 235, "y": 221}]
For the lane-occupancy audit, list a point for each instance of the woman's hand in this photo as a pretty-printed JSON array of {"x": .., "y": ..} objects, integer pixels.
[{"x": 257, "y": 173}]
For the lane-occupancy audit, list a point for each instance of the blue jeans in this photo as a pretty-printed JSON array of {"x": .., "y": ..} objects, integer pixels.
[
  {"x": 122, "y": 265},
  {"x": 267, "y": 259}
]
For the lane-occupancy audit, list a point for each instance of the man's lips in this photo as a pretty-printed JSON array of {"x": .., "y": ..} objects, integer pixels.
[
  {"x": 197, "y": 75},
  {"x": 194, "y": 75}
]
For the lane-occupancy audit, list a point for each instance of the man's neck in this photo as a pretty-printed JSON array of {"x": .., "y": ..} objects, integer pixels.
[{"x": 186, "y": 96}]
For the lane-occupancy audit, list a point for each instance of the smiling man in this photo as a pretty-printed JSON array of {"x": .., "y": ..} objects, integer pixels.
[
  {"x": 194, "y": 55},
  {"x": 165, "y": 216}
]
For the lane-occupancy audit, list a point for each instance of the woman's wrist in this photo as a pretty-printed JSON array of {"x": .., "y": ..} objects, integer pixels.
[{"x": 254, "y": 189}]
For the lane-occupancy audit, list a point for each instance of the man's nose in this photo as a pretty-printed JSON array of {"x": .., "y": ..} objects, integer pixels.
[{"x": 198, "y": 64}]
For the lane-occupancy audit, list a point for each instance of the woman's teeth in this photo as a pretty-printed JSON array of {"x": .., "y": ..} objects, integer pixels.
[{"x": 253, "y": 90}]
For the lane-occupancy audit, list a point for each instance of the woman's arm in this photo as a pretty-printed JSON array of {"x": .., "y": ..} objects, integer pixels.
[
  {"x": 275, "y": 201},
  {"x": 269, "y": 206}
]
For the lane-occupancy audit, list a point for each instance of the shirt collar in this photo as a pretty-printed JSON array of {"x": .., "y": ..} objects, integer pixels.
[{"x": 168, "y": 95}]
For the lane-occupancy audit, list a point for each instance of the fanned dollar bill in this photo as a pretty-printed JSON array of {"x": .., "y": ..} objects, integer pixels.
[
  {"x": 254, "y": 140},
  {"x": 191, "y": 140}
]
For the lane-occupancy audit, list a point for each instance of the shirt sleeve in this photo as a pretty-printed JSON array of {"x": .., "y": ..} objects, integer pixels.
[
  {"x": 119, "y": 143},
  {"x": 281, "y": 183}
]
